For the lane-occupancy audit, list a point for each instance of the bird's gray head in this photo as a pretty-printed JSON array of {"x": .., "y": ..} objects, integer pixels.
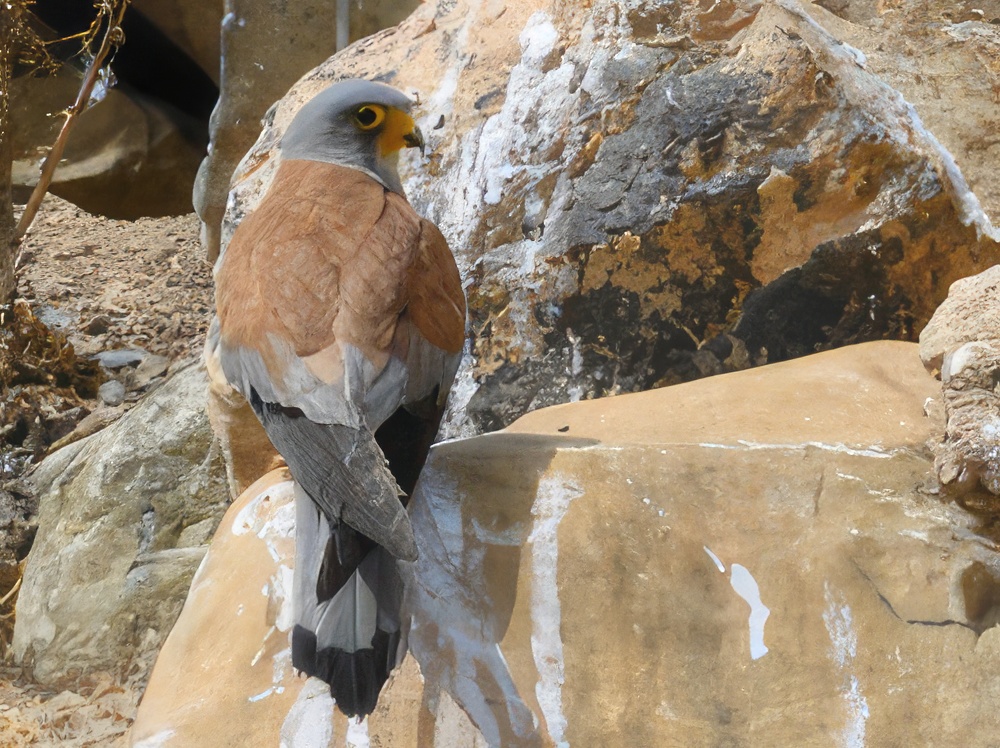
[{"x": 356, "y": 123}]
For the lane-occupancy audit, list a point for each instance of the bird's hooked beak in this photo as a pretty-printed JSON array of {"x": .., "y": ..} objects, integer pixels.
[
  {"x": 415, "y": 139},
  {"x": 399, "y": 131}
]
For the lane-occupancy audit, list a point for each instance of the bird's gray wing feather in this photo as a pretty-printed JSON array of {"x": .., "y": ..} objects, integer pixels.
[{"x": 343, "y": 470}]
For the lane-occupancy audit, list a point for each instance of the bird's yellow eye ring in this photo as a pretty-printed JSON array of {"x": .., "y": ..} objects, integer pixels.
[{"x": 369, "y": 116}]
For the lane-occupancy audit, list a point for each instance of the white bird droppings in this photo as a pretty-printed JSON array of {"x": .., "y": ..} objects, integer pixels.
[
  {"x": 718, "y": 563},
  {"x": 840, "y": 627},
  {"x": 746, "y": 587},
  {"x": 309, "y": 723},
  {"x": 554, "y": 497},
  {"x": 357, "y": 733}
]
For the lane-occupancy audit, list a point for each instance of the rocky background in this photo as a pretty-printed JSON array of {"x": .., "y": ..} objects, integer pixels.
[{"x": 639, "y": 195}]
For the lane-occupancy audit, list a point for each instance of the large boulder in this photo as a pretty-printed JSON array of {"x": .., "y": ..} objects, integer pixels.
[
  {"x": 641, "y": 194},
  {"x": 124, "y": 519},
  {"x": 758, "y": 554},
  {"x": 127, "y": 156}
]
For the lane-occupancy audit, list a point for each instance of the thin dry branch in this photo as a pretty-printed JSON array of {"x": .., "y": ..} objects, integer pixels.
[
  {"x": 113, "y": 11},
  {"x": 13, "y": 591}
]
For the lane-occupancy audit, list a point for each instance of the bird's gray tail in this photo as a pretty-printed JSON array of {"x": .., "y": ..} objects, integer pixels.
[{"x": 347, "y": 597}]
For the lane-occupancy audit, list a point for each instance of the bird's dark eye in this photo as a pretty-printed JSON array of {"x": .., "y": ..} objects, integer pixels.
[{"x": 369, "y": 116}]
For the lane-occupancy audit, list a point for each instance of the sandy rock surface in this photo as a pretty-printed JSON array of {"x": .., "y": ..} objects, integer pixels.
[{"x": 761, "y": 553}]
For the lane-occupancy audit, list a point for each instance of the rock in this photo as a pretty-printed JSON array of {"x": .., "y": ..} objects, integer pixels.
[
  {"x": 121, "y": 358},
  {"x": 653, "y": 194},
  {"x": 65, "y": 422},
  {"x": 126, "y": 157},
  {"x": 111, "y": 563},
  {"x": 969, "y": 313},
  {"x": 149, "y": 369},
  {"x": 112, "y": 393},
  {"x": 968, "y": 457},
  {"x": 18, "y": 507},
  {"x": 933, "y": 52},
  {"x": 751, "y": 554},
  {"x": 89, "y": 424},
  {"x": 97, "y": 325},
  {"x": 962, "y": 344}
]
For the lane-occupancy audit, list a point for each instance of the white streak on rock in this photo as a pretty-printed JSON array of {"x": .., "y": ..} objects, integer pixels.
[
  {"x": 871, "y": 451},
  {"x": 263, "y": 645},
  {"x": 281, "y": 665},
  {"x": 522, "y": 126},
  {"x": 281, "y": 525},
  {"x": 281, "y": 596},
  {"x": 718, "y": 563},
  {"x": 357, "y": 733},
  {"x": 746, "y": 587},
  {"x": 309, "y": 723},
  {"x": 554, "y": 498},
  {"x": 250, "y": 517},
  {"x": 442, "y": 100},
  {"x": 840, "y": 628},
  {"x": 456, "y": 423},
  {"x": 155, "y": 741}
]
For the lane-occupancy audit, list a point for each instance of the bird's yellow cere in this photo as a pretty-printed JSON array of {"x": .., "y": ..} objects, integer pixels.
[{"x": 397, "y": 132}]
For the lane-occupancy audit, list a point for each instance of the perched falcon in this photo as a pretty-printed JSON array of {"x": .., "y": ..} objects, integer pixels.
[{"x": 341, "y": 319}]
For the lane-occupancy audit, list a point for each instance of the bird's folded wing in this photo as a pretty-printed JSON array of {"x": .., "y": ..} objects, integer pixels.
[
  {"x": 436, "y": 310},
  {"x": 435, "y": 299},
  {"x": 345, "y": 473},
  {"x": 337, "y": 304}
]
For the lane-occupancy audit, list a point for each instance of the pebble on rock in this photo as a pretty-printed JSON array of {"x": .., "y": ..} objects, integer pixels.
[{"x": 112, "y": 393}]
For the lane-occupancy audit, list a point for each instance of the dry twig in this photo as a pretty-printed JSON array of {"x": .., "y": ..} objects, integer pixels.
[
  {"x": 13, "y": 591},
  {"x": 110, "y": 12}
]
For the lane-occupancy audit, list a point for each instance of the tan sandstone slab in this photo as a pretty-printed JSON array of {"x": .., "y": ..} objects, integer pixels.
[{"x": 750, "y": 559}]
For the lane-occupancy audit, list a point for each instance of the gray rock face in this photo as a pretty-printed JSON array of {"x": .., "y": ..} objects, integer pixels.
[
  {"x": 643, "y": 194},
  {"x": 123, "y": 519}
]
